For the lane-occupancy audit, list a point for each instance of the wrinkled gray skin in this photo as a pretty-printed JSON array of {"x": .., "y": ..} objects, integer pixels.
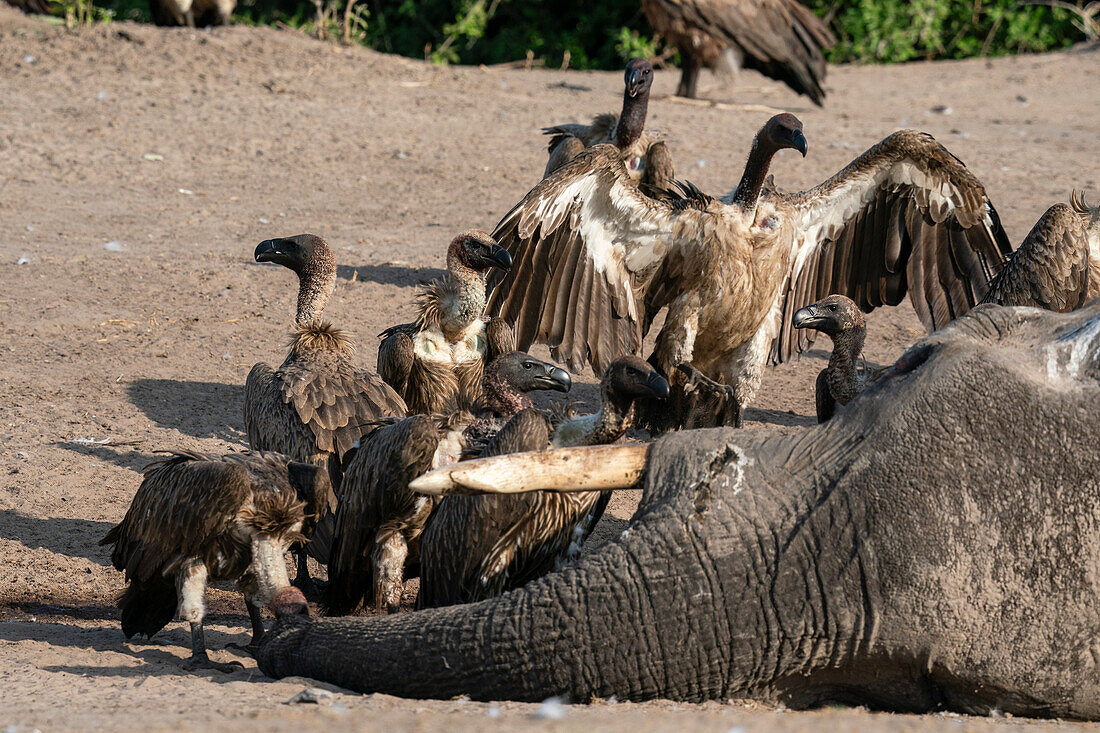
[{"x": 935, "y": 545}]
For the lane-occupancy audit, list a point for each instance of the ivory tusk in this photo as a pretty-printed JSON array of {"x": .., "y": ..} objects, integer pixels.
[{"x": 592, "y": 468}]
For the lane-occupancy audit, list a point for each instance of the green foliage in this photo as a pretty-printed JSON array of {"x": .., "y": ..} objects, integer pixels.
[
  {"x": 905, "y": 30},
  {"x": 603, "y": 35}
]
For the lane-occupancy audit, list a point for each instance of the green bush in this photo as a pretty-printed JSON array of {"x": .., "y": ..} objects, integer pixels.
[{"x": 602, "y": 35}]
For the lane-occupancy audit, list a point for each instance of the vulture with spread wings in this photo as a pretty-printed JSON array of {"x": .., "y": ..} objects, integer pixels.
[{"x": 595, "y": 260}]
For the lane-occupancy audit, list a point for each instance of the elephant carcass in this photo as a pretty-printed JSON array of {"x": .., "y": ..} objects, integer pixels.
[{"x": 936, "y": 545}]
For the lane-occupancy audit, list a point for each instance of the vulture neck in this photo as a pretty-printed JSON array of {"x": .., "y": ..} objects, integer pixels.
[
  {"x": 316, "y": 282},
  {"x": 756, "y": 170},
  {"x": 842, "y": 374},
  {"x": 501, "y": 398},
  {"x": 631, "y": 121},
  {"x": 613, "y": 420},
  {"x": 461, "y": 299}
]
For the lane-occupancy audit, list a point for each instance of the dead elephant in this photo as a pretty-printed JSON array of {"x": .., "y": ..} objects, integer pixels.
[{"x": 934, "y": 546}]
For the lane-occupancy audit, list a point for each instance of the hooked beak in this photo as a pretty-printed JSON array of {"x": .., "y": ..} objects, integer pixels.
[
  {"x": 634, "y": 82},
  {"x": 798, "y": 142},
  {"x": 556, "y": 379},
  {"x": 500, "y": 257},
  {"x": 268, "y": 250},
  {"x": 658, "y": 386},
  {"x": 807, "y": 317}
]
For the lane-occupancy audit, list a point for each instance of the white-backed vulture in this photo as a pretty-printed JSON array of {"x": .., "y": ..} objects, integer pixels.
[
  {"x": 428, "y": 362},
  {"x": 596, "y": 260},
  {"x": 200, "y": 517},
  {"x": 317, "y": 403},
  {"x": 191, "y": 13},
  {"x": 477, "y": 547},
  {"x": 1058, "y": 265},
  {"x": 380, "y": 521},
  {"x": 782, "y": 39},
  {"x": 646, "y": 157},
  {"x": 842, "y": 321}
]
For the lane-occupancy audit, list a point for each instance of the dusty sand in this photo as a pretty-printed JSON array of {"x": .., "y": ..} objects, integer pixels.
[{"x": 183, "y": 149}]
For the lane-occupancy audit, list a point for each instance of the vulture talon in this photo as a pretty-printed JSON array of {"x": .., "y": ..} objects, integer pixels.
[
  {"x": 198, "y": 662},
  {"x": 706, "y": 403}
]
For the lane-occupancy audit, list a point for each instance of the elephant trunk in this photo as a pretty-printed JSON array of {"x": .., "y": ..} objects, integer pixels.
[{"x": 671, "y": 609}]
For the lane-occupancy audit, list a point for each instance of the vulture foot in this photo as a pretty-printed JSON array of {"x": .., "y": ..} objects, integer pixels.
[
  {"x": 701, "y": 402},
  {"x": 201, "y": 661}
]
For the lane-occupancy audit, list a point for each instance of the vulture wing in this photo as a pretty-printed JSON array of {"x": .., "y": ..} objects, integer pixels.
[
  {"x": 1050, "y": 269},
  {"x": 375, "y": 497},
  {"x": 467, "y": 534},
  {"x": 337, "y": 403},
  {"x": 586, "y": 244},
  {"x": 906, "y": 216},
  {"x": 500, "y": 339},
  {"x": 779, "y": 38},
  {"x": 184, "y": 503},
  {"x": 396, "y": 356}
]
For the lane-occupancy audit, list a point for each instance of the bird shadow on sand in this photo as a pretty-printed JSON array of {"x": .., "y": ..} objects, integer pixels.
[
  {"x": 198, "y": 409},
  {"x": 121, "y": 454},
  {"x": 404, "y": 276},
  {"x": 164, "y": 653},
  {"x": 785, "y": 418},
  {"x": 62, "y": 535}
]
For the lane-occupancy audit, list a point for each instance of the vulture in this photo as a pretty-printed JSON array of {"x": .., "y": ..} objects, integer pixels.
[
  {"x": 428, "y": 362},
  {"x": 1058, "y": 265},
  {"x": 199, "y": 518},
  {"x": 317, "y": 403},
  {"x": 782, "y": 39},
  {"x": 596, "y": 260},
  {"x": 379, "y": 521},
  {"x": 842, "y": 321},
  {"x": 191, "y": 13},
  {"x": 647, "y": 159},
  {"x": 477, "y": 547}
]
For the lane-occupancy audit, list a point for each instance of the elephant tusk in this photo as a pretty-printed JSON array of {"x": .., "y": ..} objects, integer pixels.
[{"x": 591, "y": 468}]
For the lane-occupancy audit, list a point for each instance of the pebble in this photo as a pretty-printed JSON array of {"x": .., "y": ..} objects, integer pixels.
[
  {"x": 310, "y": 695},
  {"x": 264, "y": 220},
  {"x": 114, "y": 246},
  {"x": 552, "y": 708},
  {"x": 186, "y": 191},
  {"x": 493, "y": 711},
  {"x": 101, "y": 96},
  {"x": 23, "y": 259},
  {"x": 29, "y": 59}
]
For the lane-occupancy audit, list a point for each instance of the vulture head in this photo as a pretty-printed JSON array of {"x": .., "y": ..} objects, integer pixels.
[
  {"x": 785, "y": 131},
  {"x": 638, "y": 77},
  {"x": 527, "y": 374},
  {"x": 304, "y": 253},
  {"x": 832, "y": 315},
  {"x": 475, "y": 250},
  {"x": 311, "y": 258},
  {"x": 629, "y": 378}
]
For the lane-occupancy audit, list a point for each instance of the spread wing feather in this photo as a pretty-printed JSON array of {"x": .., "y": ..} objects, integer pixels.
[
  {"x": 906, "y": 216},
  {"x": 586, "y": 244}
]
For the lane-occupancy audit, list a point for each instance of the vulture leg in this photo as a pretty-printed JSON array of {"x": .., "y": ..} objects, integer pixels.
[
  {"x": 701, "y": 402},
  {"x": 189, "y": 18},
  {"x": 309, "y": 586},
  {"x": 257, "y": 629},
  {"x": 191, "y": 587},
  {"x": 390, "y": 552},
  {"x": 689, "y": 74}
]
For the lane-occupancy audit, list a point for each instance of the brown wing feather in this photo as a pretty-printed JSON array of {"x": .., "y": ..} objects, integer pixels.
[
  {"x": 375, "y": 493},
  {"x": 779, "y": 38},
  {"x": 396, "y": 356},
  {"x": 1050, "y": 269},
  {"x": 906, "y": 216},
  {"x": 464, "y": 530},
  {"x": 586, "y": 244}
]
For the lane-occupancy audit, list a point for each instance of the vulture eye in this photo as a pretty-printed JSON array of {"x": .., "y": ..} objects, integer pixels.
[
  {"x": 832, "y": 307},
  {"x": 528, "y": 365}
]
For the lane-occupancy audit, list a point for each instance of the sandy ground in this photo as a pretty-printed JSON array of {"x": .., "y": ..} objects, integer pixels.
[{"x": 138, "y": 169}]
